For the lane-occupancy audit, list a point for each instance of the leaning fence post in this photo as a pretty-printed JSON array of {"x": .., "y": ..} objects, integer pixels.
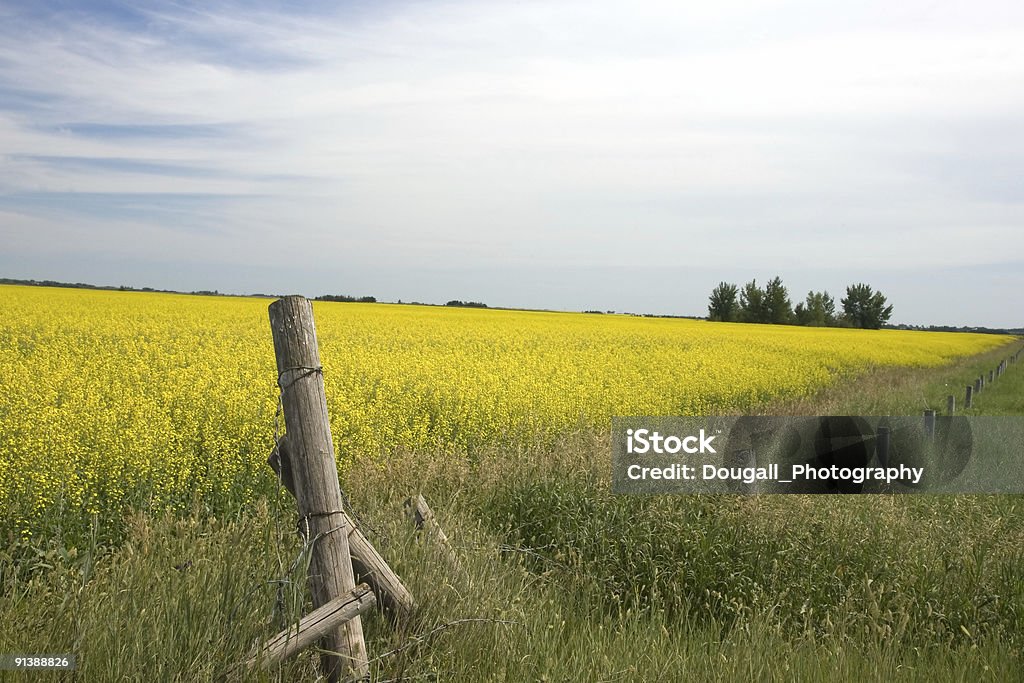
[
  {"x": 315, "y": 476},
  {"x": 423, "y": 519}
]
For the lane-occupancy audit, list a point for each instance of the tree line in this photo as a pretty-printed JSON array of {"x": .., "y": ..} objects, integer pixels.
[
  {"x": 861, "y": 307},
  {"x": 344, "y": 298}
]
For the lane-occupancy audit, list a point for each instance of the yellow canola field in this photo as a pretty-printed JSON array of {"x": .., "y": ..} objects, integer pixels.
[{"x": 110, "y": 399}]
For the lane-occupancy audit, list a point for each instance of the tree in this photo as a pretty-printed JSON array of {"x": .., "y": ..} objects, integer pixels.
[
  {"x": 752, "y": 304},
  {"x": 722, "y": 304},
  {"x": 863, "y": 307},
  {"x": 801, "y": 315},
  {"x": 778, "y": 309},
  {"x": 819, "y": 310}
]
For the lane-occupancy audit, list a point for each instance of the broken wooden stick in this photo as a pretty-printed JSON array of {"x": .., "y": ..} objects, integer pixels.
[
  {"x": 423, "y": 517},
  {"x": 312, "y": 627}
]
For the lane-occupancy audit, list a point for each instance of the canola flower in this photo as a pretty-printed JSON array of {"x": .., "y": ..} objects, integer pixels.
[{"x": 117, "y": 399}]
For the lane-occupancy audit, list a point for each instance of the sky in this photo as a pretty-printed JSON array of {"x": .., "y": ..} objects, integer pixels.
[{"x": 557, "y": 155}]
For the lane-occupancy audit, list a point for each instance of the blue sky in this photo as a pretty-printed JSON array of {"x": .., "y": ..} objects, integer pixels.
[{"x": 564, "y": 155}]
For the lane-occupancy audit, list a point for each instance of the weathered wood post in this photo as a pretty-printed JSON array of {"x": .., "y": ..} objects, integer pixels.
[
  {"x": 950, "y": 404},
  {"x": 991, "y": 376},
  {"x": 423, "y": 518},
  {"x": 312, "y": 627},
  {"x": 315, "y": 476},
  {"x": 981, "y": 384},
  {"x": 929, "y": 423},
  {"x": 968, "y": 397}
]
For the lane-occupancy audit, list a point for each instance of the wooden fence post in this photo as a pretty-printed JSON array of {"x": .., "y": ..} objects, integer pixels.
[
  {"x": 929, "y": 423},
  {"x": 315, "y": 476},
  {"x": 882, "y": 445},
  {"x": 991, "y": 376},
  {"x": 967, "y": 399},
  {"x": 950, "y": 404}
]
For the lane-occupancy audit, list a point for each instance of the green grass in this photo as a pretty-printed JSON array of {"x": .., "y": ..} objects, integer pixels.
[
  {"x": 564, "y": 581},
  {"x": 902, "y": 391}
]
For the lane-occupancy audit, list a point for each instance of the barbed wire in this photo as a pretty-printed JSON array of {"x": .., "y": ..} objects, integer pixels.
[{"x": 309, "y": 370}]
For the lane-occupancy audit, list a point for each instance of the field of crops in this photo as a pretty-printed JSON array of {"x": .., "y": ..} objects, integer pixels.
[{"x": 115, "y": 399}]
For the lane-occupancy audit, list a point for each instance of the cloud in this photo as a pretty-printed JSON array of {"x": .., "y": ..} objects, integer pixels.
[{"x": 547, "y": 134}]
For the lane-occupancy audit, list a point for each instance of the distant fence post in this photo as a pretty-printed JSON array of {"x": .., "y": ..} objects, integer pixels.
[
  {"x": 967, "y": 398},
  {"x": 314, "y": 473},
  {"x": 882, "y": 445},
  {"x": 744, "y": 457},
  {"x": 950, "y": 404},
  {"x": 991, "y": 376},
  {"x": 929, "y": 423}
]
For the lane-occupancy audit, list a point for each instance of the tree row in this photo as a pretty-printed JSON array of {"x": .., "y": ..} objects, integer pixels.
[{"x": 861, "y": 307}]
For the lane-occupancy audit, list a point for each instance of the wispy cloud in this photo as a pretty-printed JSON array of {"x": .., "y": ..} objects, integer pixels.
[{"x": 763, "y": 135}]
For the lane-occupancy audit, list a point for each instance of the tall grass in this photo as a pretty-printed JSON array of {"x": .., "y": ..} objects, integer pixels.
[{"x": 561, "y": 580}]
